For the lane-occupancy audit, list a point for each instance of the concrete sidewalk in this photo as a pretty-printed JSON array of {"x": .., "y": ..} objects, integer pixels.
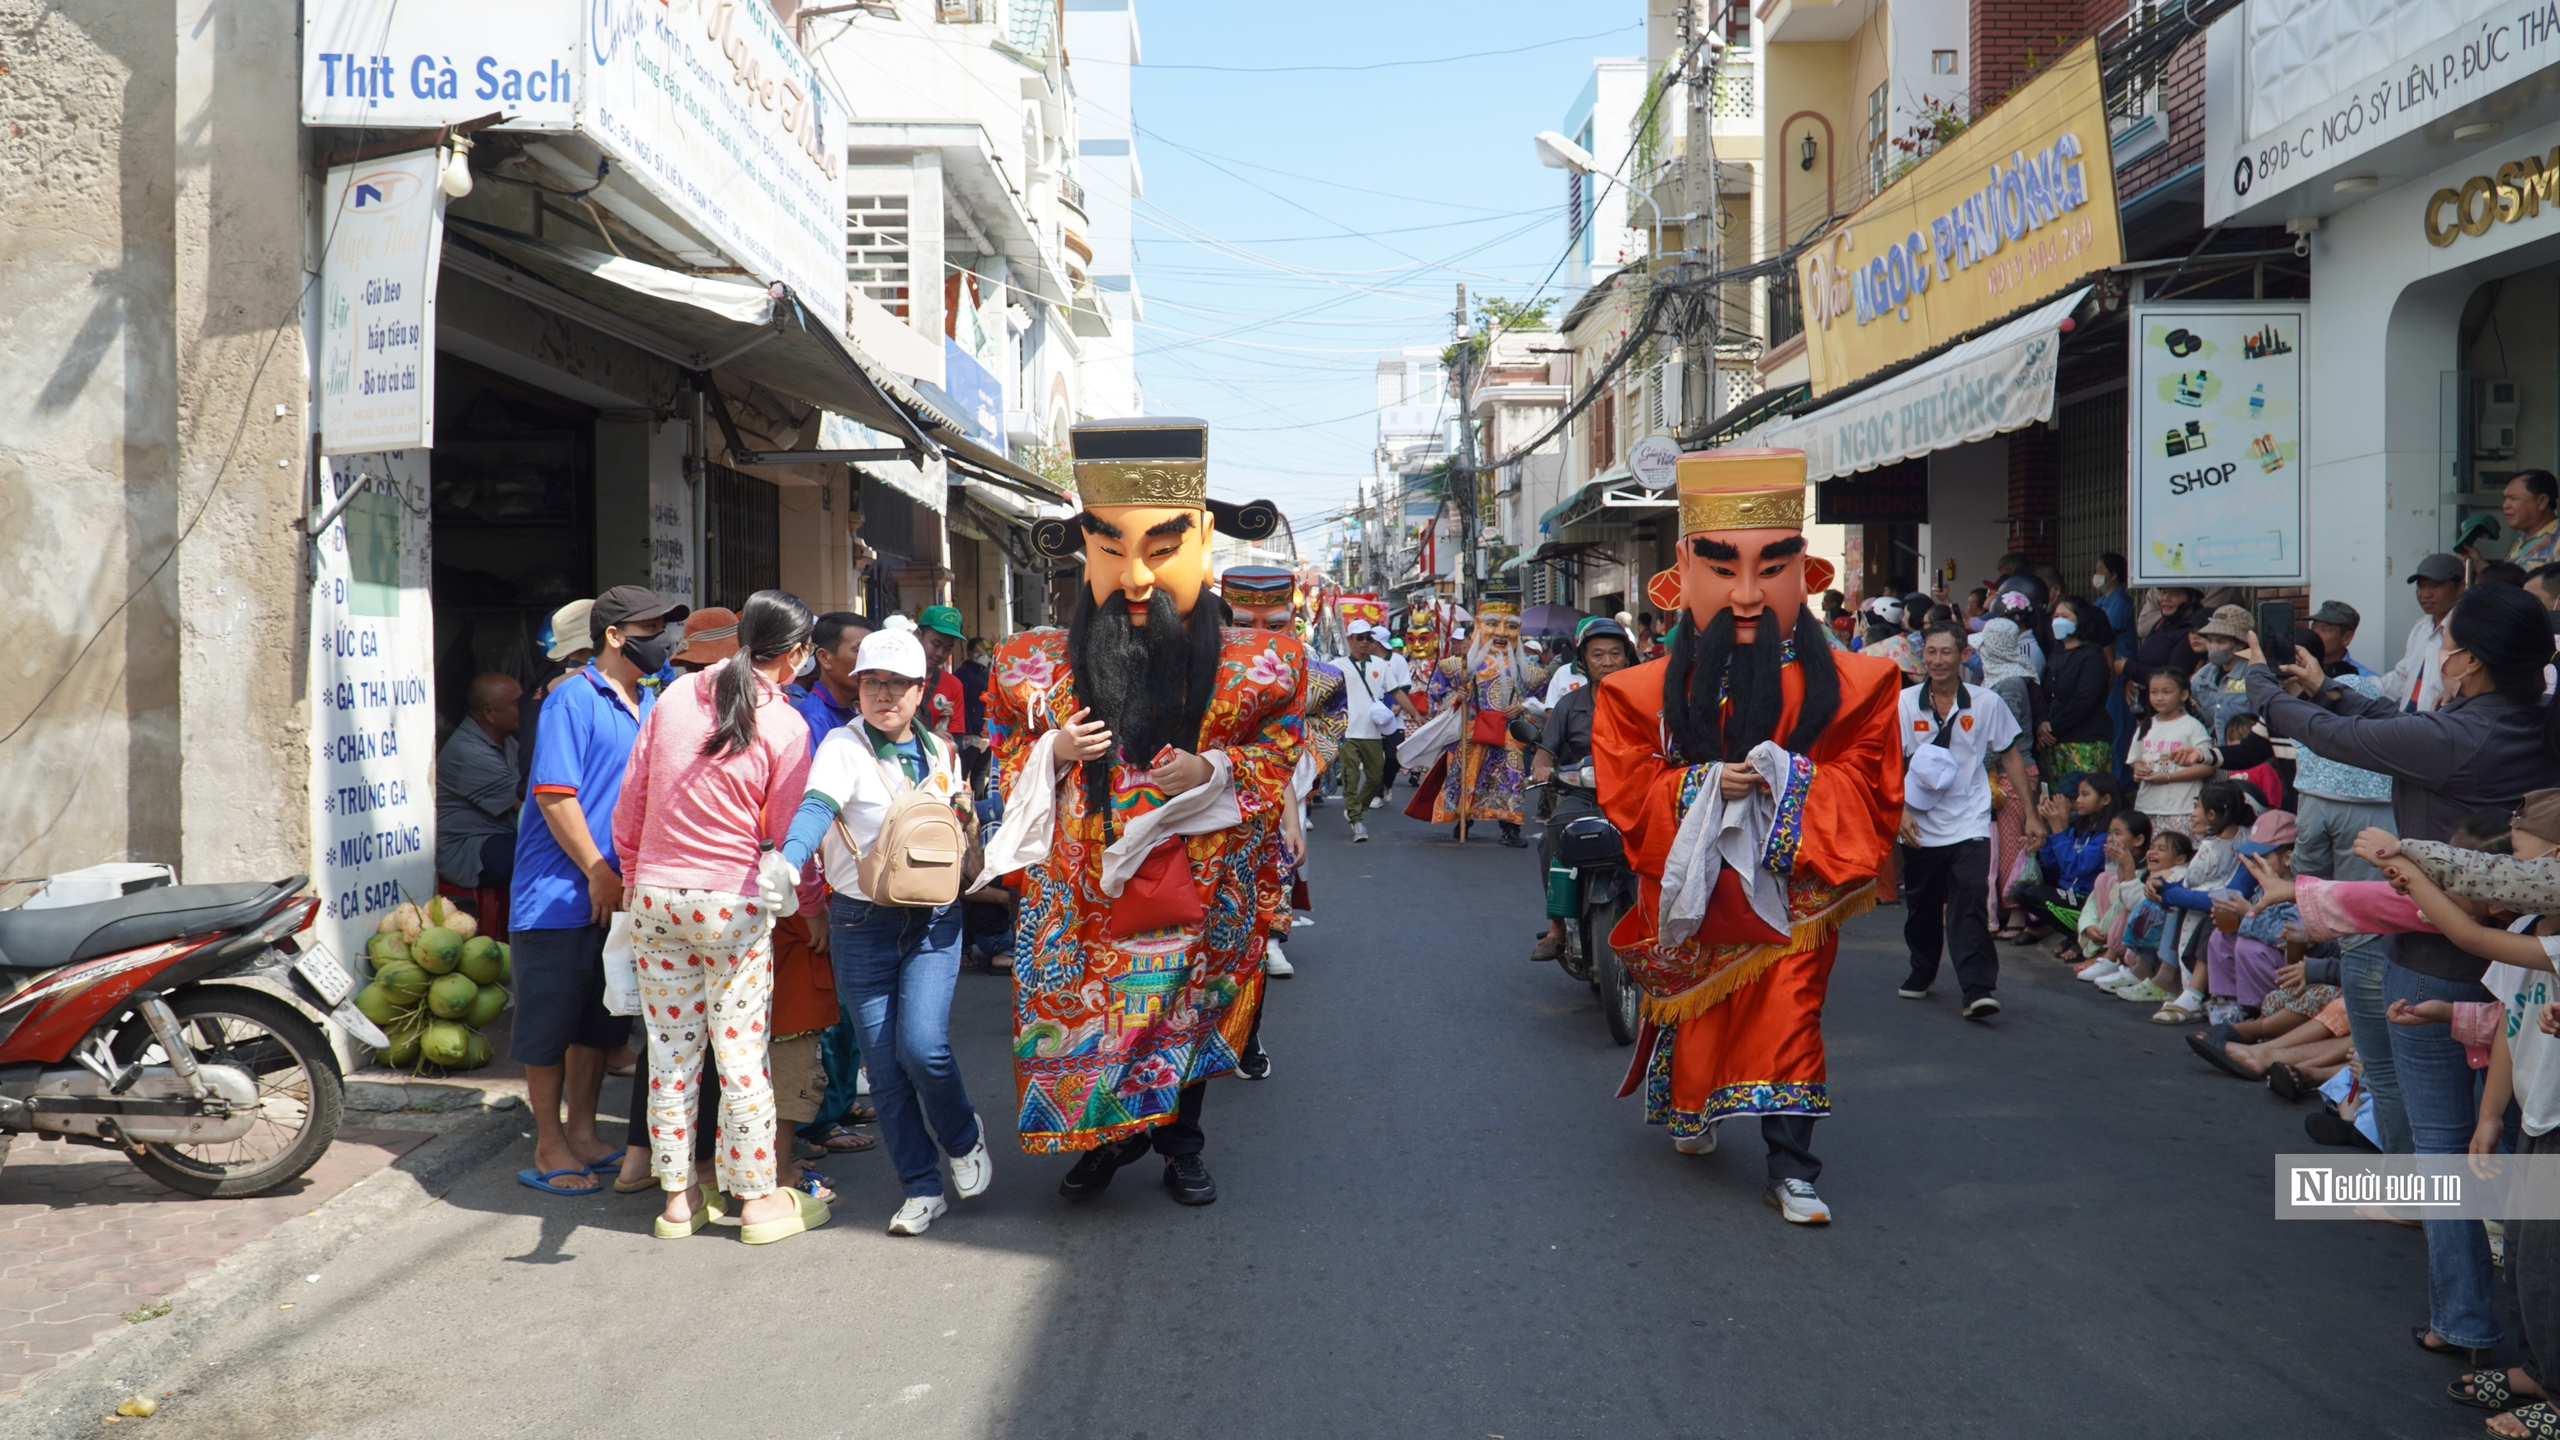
[
  {"x": 91, "y": 1247},
  {"x": 89, "y": 1244}
]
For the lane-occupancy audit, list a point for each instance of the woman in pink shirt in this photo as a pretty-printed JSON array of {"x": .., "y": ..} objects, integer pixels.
[{"x": 709, "y": 793}]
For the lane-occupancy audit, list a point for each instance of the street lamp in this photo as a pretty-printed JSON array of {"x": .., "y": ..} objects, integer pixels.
[{"x": 1557, "y": 153}]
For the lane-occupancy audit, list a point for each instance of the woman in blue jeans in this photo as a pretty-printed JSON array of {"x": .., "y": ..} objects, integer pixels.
[
  {"x": 895, "y": 964},
  {"x": 2490, "y": 739}
]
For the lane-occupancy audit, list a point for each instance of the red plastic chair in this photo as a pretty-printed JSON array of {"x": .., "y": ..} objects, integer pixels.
[{"x": 487, "y": 907}]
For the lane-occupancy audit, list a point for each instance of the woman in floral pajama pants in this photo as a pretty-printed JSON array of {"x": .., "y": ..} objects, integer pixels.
[
  {"x": 705, "y": 965},
  {"x": 710, "y": 789}
]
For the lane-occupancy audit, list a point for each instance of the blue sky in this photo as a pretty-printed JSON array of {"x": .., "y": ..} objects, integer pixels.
[{"x": 1312, "y": 220}]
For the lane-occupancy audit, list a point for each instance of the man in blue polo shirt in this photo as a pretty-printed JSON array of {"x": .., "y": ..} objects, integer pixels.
[
  {"x": 832, "y": 700},
  {"x": 568, "y": 884}
]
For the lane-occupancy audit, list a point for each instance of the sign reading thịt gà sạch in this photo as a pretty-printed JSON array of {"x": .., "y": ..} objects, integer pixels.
[
  {"x": 2009, "y": 212},
  {"x": 707, "y": 105}
]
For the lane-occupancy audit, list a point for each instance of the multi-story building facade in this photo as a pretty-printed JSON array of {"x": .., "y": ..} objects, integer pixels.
[{"x": 497, "y": 319}]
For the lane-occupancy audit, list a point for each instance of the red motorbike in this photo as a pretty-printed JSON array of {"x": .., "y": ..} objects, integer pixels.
[{"x": 182, "y": 1025}]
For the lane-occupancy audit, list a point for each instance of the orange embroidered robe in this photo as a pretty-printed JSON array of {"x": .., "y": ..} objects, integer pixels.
[{"x": 1742, "y": 1020}]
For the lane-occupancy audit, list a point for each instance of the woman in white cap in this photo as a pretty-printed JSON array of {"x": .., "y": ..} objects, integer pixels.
[{"x": 895, "y": 964}]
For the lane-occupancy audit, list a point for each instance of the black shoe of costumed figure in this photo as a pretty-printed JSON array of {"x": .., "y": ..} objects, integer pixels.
[
  {"x": 1188, "y": 1178},
  {"x": 1092, "y": 1174},
  {"x": 1253, "y": 1065}
]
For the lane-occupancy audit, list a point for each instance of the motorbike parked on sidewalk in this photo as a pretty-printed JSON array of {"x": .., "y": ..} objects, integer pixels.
[
  {"x": 1589, "y": 847},
  {"x": 175, "y": 1023}
]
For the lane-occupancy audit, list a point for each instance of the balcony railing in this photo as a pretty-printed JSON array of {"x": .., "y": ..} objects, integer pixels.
[
  {"x": 1070, "y": 191},
  {"x": 1733, "y": 96}
]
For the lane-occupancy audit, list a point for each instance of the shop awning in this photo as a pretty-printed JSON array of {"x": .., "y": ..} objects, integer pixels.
[
  {"x": 740, "y": 328},
  {"x": 1614, "y": 503},
  {"x": 1998, "y": 381}
]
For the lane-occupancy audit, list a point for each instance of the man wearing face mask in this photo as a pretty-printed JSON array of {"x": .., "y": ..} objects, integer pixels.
[
  {"x": 2221, "y": 684},
  {"x": 568, "y": 883}
]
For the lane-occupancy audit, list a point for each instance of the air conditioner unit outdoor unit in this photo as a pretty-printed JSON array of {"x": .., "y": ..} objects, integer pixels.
[{"x": 2495, "y": 434}]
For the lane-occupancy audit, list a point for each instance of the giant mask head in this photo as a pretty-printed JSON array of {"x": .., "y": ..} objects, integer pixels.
[
  {"x": 1422, "y": 634},
  {"x": 1142, "y": 648},
  {"x": 1262, "y": 597},
  {"x": 1498, "y": 624},
  {"x": 1144, "y": 529},
  {"x": 1742, "y": 542},
  {"x": 1742, "y": 579}
]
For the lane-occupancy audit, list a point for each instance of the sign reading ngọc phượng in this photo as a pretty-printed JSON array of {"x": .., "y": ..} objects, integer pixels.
[{"x": 2008, "y": 212}]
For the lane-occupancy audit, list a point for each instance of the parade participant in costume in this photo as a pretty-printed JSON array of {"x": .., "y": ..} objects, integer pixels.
[
  {"x": 1146, "y": 754},
  {"x": 1481, "y": 777},
  {"x": 1261, "y": 597},
  {"x": 1756, "y": 778}
]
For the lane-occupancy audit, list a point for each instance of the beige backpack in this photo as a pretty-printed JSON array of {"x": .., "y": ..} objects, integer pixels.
[{"x": 919, "y": 856}]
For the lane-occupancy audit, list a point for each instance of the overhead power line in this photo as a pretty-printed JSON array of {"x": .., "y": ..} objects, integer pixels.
[{"x": 1381, "y": 64}]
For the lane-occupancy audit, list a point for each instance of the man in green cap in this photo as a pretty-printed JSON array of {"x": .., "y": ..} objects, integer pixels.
[{"x": 938, "y": 626}]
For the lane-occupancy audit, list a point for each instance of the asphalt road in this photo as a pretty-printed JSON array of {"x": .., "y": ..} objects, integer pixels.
[{"x": 1437, "y": 1222}]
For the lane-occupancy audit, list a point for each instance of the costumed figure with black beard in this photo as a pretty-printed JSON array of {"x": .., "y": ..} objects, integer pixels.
[
  {"x": 1264, "y": 597},
  {"x": 1490, "y": 686},
  {"x": 1146, "y": 754},
  {"x": 1755, "y": 773}
]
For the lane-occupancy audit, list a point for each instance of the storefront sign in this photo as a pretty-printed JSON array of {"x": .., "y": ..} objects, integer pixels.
[
  {"x": 373, "y": 717},
  {"x": 382, "y": 231},
  {"x": 1894, "y": 495},
  {"x": 389, "y": 64},
  {"x": 2012, "y": 210},
  {"x": 2324, "y": 49},
  {"x": 711, "y": 105},
  {"x": 2518, "y": 190},
  {"x": 1990, "y": 383},
  {"x": 2216, "y": 413},
  {"x": 1655, "y": 460}
]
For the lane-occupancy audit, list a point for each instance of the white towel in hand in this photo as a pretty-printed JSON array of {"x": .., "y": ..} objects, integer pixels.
[
  {"x": 1030, "y": 813},
  {"x": 1718, "y": 832}
]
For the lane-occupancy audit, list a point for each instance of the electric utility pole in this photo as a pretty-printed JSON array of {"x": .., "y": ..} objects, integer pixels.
[
  {"x": 1701, "y": 253},
  {"x": 1462, "y": 473}
]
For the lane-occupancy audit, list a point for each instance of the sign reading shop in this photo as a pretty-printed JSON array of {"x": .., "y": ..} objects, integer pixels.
[{"x": 2012, "y": 210}]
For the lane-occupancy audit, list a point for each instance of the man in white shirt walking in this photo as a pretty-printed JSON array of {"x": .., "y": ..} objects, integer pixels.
[
  {"x": 1950, "y": 730},
  {"x": 1373, "y": 681}
]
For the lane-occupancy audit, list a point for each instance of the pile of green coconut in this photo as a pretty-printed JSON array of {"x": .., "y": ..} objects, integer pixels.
[{"x": 437, "y": 983}]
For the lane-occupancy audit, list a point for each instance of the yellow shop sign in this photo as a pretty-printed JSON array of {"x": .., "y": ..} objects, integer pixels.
[
  {"x": 2518, "y": 190},
  {"x": 2009, "y": 212}
]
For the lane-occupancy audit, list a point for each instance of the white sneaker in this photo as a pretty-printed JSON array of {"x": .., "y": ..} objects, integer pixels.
[
  {"x": 1274, "y": 963},
  {"x": 1301, "y": 920},
  {"x": 1795, "y": 1200},
  {"x": 971, "y": 1173},
  {"x": 1360, "y": 832},
  {"x": 2101, "y": 973},
  {"x": 1700, "y": 1144},
  {"x": 918, "y": 1214}
]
